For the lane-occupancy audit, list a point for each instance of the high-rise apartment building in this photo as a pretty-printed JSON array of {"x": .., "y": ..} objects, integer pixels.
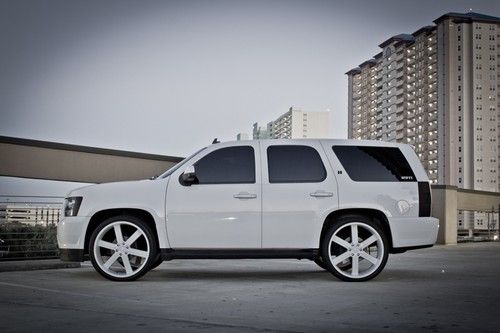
[
  {"x": 437, "y": 90},
  {"x": 242, "y": 136},
  {"x": 260, "y": 132},
  {"x": 295, "y": 123}
]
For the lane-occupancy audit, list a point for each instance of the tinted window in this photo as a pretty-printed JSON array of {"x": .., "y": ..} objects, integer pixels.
[
  {"x": 375, "y": 164},
  {"x": 227, "y": 166},
  {"x": 294, "y": 164}
]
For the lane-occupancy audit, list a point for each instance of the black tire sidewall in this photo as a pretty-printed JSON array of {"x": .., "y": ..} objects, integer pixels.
[
  {"x": 153, "y": 246},
  {"x": 341, "y": 221},
  {"x": 157, "y": 262},
  {"x": 319, "y": 261}
]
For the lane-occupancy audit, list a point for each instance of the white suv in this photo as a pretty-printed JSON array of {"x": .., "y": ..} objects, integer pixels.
[{"x": 346, "y": 204}]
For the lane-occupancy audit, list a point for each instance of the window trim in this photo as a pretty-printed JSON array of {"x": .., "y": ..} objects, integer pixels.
[
  {"x": 325, "y": 171},
  {"x": 235, "y": 182}
]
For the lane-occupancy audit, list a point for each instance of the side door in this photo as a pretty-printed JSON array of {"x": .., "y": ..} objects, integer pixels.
[
  {"x": 298, "y": 188},
  {"x": 222, "y": 209}
]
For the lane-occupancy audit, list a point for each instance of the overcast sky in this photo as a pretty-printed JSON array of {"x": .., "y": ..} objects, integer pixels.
[{"x": 167, "y": 77}]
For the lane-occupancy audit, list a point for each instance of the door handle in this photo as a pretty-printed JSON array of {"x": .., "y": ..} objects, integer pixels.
[
  {"x": 321, "y": 194},
  {"x": 245, "y": 195}
]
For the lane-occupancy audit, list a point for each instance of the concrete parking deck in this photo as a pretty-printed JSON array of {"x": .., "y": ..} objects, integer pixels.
[{"x": 445, "y": 288}]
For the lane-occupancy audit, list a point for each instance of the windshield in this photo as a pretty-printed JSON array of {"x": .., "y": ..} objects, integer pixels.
[{"x": 178, "y": 165}]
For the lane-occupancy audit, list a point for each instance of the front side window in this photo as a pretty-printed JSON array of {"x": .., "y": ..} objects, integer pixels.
[
  {"x": 294, "y": 164},
  {"x": 231, "y": 165},
  {"x": 374, "y": 164}
]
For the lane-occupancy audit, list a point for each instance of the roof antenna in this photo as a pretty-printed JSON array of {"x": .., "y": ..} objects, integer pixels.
[{"x": 215, "y": 141}]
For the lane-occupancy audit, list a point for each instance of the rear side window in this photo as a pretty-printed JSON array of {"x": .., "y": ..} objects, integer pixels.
[
  {"x": 374, "y": 164},
  {"x": 231, "y": 165},
  {"x": 294, "y": 164}
]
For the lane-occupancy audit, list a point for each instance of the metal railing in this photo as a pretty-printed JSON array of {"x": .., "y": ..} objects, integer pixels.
[
  {"x": 478, "y": 226},
  {"x": 28, "y": 227}
]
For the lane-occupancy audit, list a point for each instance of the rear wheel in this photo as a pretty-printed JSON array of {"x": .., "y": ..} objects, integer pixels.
[
  {"x": 156, "y": 263},
  {"x": 355, "y": 248},
  {"x": 123, "y": 248}
]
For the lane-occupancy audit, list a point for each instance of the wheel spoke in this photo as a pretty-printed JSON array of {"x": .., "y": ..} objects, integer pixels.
[
  {"x": 368, "y": 257},
  {"x": 367, "y": 242},
  {"x": 338, "y": 259},
  {"x": 138, "y": 253},
  {"x": 133, "y": 238},
  {"x": 106, "y": 245},
  {"x": 341, "y": 242},
  {"x": 354, "y": 233},
  {"x": 118, "y": 233},
  {"x": 126, "y": 264},
  {"x": 111, "y": 260},
  {"x": 355, "y": 266}
]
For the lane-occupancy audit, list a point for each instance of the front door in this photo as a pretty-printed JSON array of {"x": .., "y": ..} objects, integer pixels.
[{"x": 223, "y": 208}]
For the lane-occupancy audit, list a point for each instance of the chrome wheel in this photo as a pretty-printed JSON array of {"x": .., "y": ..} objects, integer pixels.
[
  {"x": 356, "y": 251},
  {"x": 121, "y": 249}
]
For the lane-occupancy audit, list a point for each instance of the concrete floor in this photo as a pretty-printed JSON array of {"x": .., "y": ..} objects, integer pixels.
[{"x": 445, "y": 288}]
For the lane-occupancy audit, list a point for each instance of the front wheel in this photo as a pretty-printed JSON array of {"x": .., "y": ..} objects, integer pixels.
[
  {"x": 355, "y": 248},
  {"x": 122, "y": 248},
  {"x": 319, "y": 261}
]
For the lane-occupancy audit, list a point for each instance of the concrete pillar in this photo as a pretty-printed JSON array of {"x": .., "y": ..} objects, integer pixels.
[{"x": 444, "y": 207}]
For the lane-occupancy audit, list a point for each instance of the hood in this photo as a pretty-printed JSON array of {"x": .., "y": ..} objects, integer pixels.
[{"x": 110, "y": 187}]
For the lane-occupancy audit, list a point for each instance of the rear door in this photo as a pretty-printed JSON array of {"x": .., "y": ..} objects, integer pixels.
[{"x": 298, "y": 188}]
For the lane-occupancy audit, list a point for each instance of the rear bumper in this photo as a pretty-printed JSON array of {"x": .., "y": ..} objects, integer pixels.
[{"x": 414, "y": 232}]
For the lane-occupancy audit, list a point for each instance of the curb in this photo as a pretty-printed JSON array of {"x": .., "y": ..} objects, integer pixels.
[{"x": 33, "y": 265}]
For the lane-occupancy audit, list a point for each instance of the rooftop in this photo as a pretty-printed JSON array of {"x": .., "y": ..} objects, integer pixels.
[
  {"x": 410, "y": 38},
  {"x": 398, "y": 38},
  {"x": 470, "y": 16}
]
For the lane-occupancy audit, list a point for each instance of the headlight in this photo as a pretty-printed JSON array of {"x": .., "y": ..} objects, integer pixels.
[{"x": 72, "y": 205}]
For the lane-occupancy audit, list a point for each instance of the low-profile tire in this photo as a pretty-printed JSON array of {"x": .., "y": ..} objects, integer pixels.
[
  {"x": 319, "y": 261},
  {"x": 123, "y": 248},
  {"x": 355, "y": 248},
  {"x": 156, "y": 263}
]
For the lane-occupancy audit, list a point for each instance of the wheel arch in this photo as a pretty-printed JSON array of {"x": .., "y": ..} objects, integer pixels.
[
  {"x": 371, "y": 213},
  {"x": 104, "y": 214}
]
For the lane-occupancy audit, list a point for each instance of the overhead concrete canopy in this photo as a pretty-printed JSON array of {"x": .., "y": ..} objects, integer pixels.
[
  {"x": 57, "y": 161},
  {"x": 448, "y": 200}
]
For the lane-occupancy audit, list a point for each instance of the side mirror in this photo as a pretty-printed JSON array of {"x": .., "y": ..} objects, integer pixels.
[{"x": 188, "y": 177}]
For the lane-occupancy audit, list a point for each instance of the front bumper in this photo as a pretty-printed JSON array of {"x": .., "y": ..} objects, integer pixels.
[
  {"x": 413, "y": 232},
  {"x": 71, "y": 254},
  {"x": 71, "y": 232}
]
